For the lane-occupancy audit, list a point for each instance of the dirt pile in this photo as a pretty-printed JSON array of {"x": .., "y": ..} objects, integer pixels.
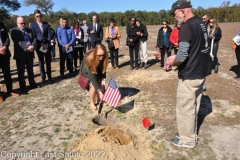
[{"x": 110, "y": 143}]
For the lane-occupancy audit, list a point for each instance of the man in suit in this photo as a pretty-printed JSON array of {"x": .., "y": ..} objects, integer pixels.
[
  {"x": 95, "y": 30},
  {"x": 5, "y": 60},
  {"x": 24, "y": 45},
  {"x": 41, "y": 31},
  {"x": 52, "y": 46},
  {"x": 66, "y": 39}
]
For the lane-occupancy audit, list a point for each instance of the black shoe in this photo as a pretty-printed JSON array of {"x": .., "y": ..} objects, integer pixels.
[
  {"x": 216, "y": 69},
  {"x": 62, "y": 76},
  {"x": 24, "y": 91},
  {"x": 71, "y": 74},
  {"x": 35, "y": 86},
  {"x": 141, "y": 65},
  {"x": 44, "y": 81},
  {"x": 51, "y": 80},
  {"x": 238, "y": 76}
]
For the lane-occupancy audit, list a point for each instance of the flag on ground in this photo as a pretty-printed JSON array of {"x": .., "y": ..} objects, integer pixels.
[{"x": 112, "y": 95}]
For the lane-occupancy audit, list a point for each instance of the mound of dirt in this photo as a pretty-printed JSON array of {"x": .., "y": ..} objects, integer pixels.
[{"x": 110, "y": 143}]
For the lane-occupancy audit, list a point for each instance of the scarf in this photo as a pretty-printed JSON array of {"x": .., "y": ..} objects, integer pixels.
[
  {"x": 112, "y": 31},
  {"x": 77, "y": 31}
]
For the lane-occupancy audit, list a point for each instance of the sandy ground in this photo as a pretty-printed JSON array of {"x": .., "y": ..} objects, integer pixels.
[{"x": 54, "y": 122}]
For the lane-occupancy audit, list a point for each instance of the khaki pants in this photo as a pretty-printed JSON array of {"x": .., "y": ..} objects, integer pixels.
[
  {"x": 143, "y": 51},
  {"x": 189, "y": 93}
]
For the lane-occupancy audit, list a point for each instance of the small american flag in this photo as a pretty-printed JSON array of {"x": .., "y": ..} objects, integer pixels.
[{"x": 112, "y": 95}]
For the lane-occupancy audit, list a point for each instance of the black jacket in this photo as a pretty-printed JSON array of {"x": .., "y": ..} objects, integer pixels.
[
  {"x": 217, "y": 34},
  {"x": 132, "y": 34},
  {"x": 20, "y": 46},
  {"x": 5, "y": 39},
  {"x": 98, "y": 36},
  {"x": 160, "y": 38},
  {"x": 52, "y": 34},
  {"x": 143, "y": 30}
]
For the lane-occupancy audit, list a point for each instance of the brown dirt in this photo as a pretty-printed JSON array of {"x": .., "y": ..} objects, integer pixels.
[{"x": 112, "y": 144}]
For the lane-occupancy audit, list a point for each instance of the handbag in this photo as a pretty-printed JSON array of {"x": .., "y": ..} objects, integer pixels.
[
  {"x": 110, "y": 44},
  {"x": 234, "y": 46},
  {"x": 82, "y": 81}
]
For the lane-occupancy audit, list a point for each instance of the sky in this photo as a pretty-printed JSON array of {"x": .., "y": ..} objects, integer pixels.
[{"x": 88, "y": 6}]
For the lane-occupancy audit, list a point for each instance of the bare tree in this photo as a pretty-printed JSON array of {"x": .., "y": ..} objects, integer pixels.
[{"x": 44, "y": 6}]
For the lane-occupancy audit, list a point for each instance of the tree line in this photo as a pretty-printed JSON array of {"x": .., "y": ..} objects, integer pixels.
[{"x": 224, "y": 13}]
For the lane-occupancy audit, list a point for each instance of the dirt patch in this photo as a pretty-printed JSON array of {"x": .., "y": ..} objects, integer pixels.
[
  {"x": 225, "y": 141},
  {"x": 112, "y": 144}
]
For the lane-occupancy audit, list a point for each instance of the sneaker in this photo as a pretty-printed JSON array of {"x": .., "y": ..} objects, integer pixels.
[
  {"x": 177, "y": 135},
  {"x": 145, "y": 65},
  {"x": 178, "y": 143}
]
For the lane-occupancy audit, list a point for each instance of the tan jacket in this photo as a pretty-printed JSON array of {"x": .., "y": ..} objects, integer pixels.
[{"x": 116, "y": 40}]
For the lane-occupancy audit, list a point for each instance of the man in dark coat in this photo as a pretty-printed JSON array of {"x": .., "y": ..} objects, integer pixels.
[
  {"x": 5, "y": 60},
  {"x": 24, "y": 45}
]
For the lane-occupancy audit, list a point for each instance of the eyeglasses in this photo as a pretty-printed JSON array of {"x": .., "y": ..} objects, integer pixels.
[
  {"x": 176, "y": 13},
  {"x": 210, "y": 22},
  {"x": 38, "y": 16},
  {"x": 101, "y": 55},
  {"x": 22, "y": 23}
]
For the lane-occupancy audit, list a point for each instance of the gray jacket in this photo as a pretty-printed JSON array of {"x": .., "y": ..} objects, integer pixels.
[{"x": 86, "y": 38}]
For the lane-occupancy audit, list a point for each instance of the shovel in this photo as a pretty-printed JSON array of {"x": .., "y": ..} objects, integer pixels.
[
  {"x": 101, "y": 103},
  {"x": 211, "y": 54}
]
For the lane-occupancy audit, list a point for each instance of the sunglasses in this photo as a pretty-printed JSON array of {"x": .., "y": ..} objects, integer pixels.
[
  {"x": 39, "y": 16},
  {"x": 101, "y": 55},
  {"x": 204, "y": 18},
  {"x": 132, "y": 20},
  {"x": 164, "y": 24},
  {"x": 22, "y": 23}
]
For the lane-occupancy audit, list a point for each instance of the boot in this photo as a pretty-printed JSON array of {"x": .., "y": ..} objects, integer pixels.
[{"x": 216, "y": 69}]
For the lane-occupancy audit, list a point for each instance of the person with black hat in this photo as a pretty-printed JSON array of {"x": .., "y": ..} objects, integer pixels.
[{"x": 192, "y": 60}]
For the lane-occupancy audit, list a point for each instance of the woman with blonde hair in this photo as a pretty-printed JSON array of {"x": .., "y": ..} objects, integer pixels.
[
  {"x": 113, "y": 34},
  {"x": 93, "y": 67},
  {"x": 215, "y": 34}
]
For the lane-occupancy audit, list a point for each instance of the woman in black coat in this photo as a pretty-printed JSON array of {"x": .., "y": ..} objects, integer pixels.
[
  {"x": 215, "y": 34},
  {"x": 133, "y": 43},
  {"x": 163, "y": 42}
]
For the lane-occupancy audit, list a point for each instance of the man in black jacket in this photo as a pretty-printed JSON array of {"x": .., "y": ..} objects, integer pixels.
[
  {"x": 52, "y": 42},
  {"x": 143, "y": 33},
  {"x": 5, "y": 60},
  {"x": 95, "y": 30},
  {"x": 24, "y": 45}
]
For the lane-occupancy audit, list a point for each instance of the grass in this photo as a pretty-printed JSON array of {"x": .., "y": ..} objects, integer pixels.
[{"x": 57, "y": 130}]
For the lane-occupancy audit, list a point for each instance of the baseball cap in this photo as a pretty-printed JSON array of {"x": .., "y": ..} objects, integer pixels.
[{"x": 180, "y": 4}]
